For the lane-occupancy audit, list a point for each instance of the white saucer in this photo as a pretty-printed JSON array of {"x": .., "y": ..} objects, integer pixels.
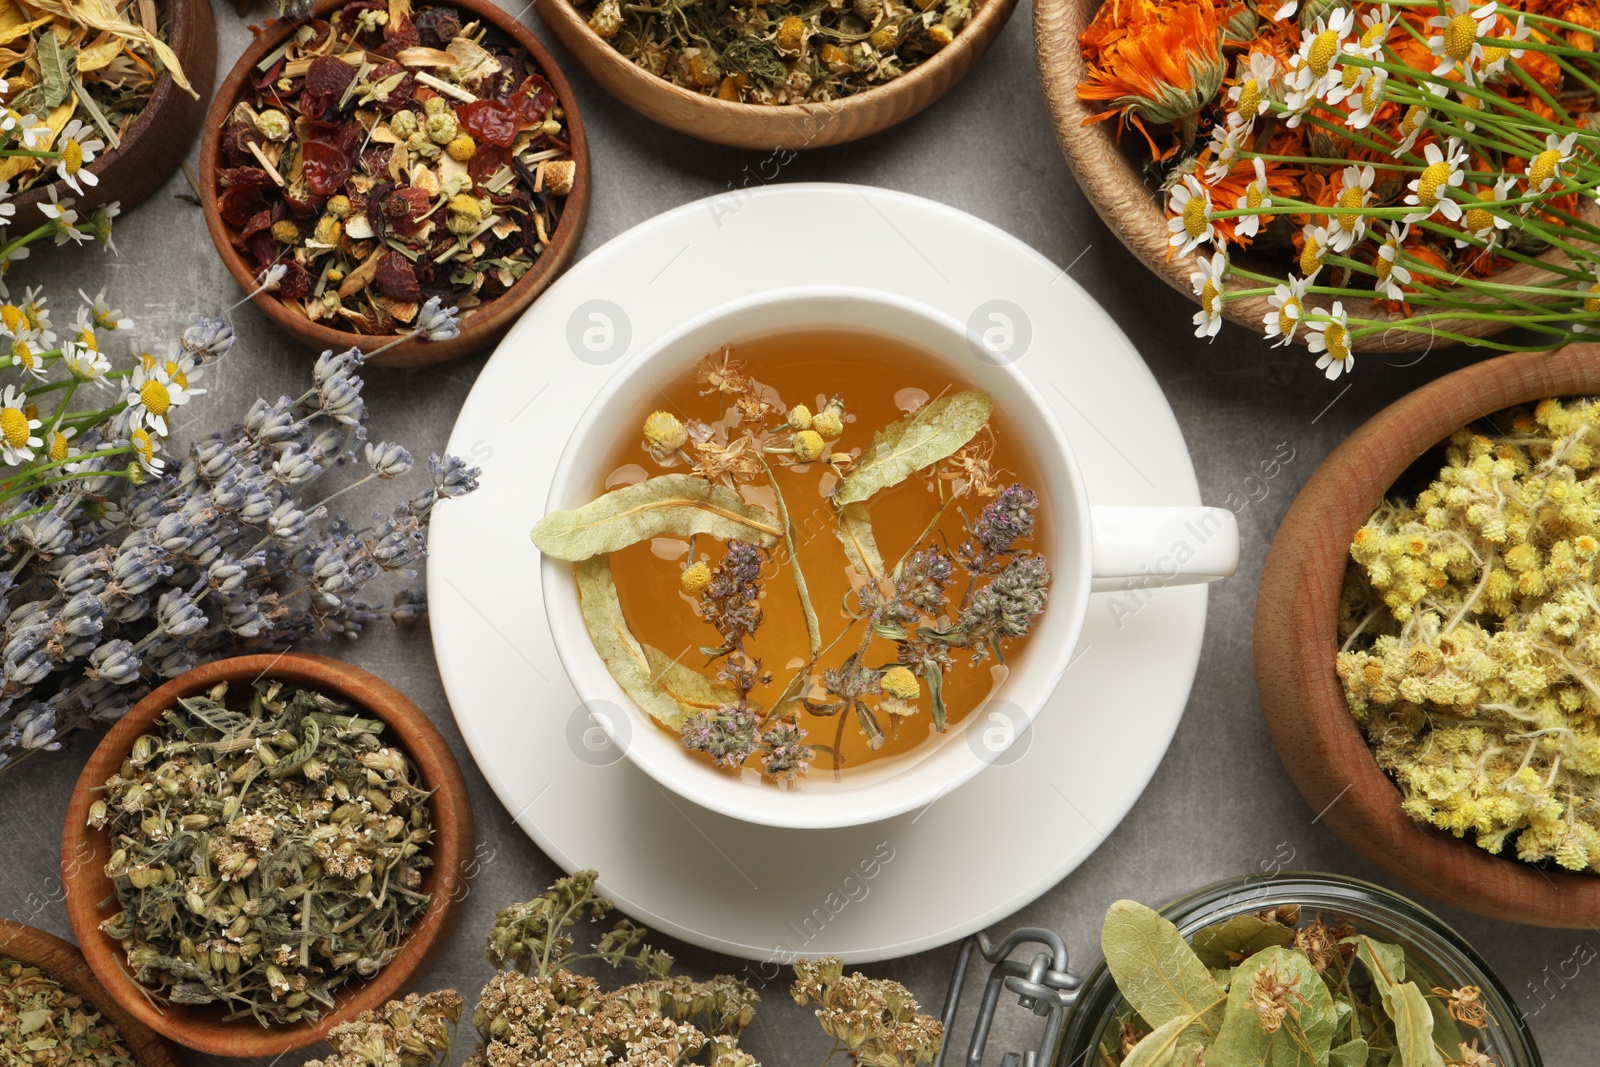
[{"x": 864, "y": 893}]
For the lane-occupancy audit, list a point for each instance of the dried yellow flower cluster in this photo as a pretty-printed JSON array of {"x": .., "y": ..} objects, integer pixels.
[
  {"x": 876, "y": 1020},
  {"x": 1471, "y": 637}
]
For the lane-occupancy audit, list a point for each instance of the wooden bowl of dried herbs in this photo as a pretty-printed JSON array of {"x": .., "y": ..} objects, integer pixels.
[
  {"x": 778, "y": 76},
  {"x": 377, "y": 161},
  {"x": 1420, "y": 650},
  {"x": 55, "y": 1013},
  {"x": 131, "y": 82},
  {"x": 264, "y": 848}
]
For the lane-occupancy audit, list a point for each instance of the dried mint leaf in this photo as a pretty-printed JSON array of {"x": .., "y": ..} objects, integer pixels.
[
  {"x": 1157, "y": 972},
  {"x": 1304, "y": 1031},
  {"x": 624, "y": 657},
  {"x": 679, "y": 505},
  {"x": 1227, "y": 944},
  {"x": 936, "y": 430}
]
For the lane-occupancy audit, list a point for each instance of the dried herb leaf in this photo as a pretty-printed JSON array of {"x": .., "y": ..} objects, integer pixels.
[
  {"x": 1402, "y": 1001},
  {"x": 624, "y": 657},
  {"x": 1350, "y": 1054},
  {"x": 1229, "y": 943},
  {"x": 56, "y": 65},
  {"x": 1157, "y": 972},
  {"x": 792, "y": 546},
  {"x": 679, "y": 505},
  {"x": 692, "y": 690},
  {"x": 860, "y": 547},
  {"x": 1159, "y": 1048},
  {"x": 1304, "y": 1030},
  {"x": 938, "y": 429}
]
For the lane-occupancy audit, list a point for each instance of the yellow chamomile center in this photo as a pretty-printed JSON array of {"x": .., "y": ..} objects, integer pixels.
[
  {"x": 175, "y": 372},
  {"x": 1434, "y": 176},
  {"x": 1253, "y": 196},
  {"x": 1369, "y": 95},
  {"x": 1544, "y": 165},
  {"x": 156, "y": 398},
  {"x": 1194, "y": 216},
  {"x": 1414, "y": 116},
  {"x": 1460, "y": 36},
  {"x": 1382, "y": 266},
  {"x": 1210, "y": 298},
  {"x": 1352, "y": 198},
  {"x": 1323, "y": 49},
  {"x": 88, "y": 340},
  {"x": 142, "y": 444},
  {"x": 1349, "y": 76},
  {"x": 1479, "y": 219},
  {"x": 72, "y": 156},
  {"x": 1338, "y": 339},
  {"x": 1373, "y": 34},
  {"x": 11, "y": 315},
  {"x": 1249, "y": 96},
  {"x": 1493, "y": 53},
  {"x": 1291, "y": 310},
  {"x": 24, "y": 355},
  {"x": 1591, "y": 306},
  {"x": 14, "y": 427},
  {"x": 58, "y": 447},
  {"x": 1311, "y": 256}
]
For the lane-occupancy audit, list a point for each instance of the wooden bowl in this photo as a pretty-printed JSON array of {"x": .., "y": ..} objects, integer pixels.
[
  {"x": 159, "y": 137},
  {"x": 64, "y": 963},
  {"x": 767, "y": 127},
  {"x": 91, "y": 896},
  {"x": 1113, "y": 181},
  {"x": 1296, "y": 637},
  {"x": 488, "y": 323}
]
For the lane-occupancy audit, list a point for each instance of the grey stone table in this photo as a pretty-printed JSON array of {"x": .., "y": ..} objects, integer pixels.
[{"x": 1220, "y": 804}]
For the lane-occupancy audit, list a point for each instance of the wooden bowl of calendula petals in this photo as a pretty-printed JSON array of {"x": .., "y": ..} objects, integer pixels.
[{"x": 1298, "y": 637}]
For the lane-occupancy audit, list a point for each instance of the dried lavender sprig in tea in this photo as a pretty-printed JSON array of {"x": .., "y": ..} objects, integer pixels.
[
  {"x": 263, "y": 853},
  {"x": 44, "y": 1024}
]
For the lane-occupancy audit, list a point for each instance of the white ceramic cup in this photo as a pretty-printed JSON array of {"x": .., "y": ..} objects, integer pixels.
[{"x": 1092, "y": 548}]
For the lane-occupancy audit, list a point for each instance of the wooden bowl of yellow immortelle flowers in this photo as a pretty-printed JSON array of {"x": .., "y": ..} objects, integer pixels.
[
  {"x": 1352, "y": 177},
  {"x": 779, "y": 76},
  {"x": 1426, "y": 639}
]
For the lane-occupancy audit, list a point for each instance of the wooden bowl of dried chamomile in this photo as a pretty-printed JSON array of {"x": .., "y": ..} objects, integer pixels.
[
  {"x": 782, "y": 76},
  {"x": 360, "y": 177},
  {"x": 305, "y": 859},
  {"x": 49, "y": 996},
  {"x": 1417, "y": 635}
]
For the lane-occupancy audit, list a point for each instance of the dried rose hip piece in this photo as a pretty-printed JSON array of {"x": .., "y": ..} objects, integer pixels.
[
  {"x": 404, "y": 208},
  {"x": 325, "y": 167},
  {"x": 395, "y": 279},
  {"x": 296, "y": 282},
  {"x": 399, "y": 37},
  {"x": 397, "y": 97},
  {"x": 437, "y": 25},
  {"x": 238, "y": 205},
  {"x": 486, "y": 162},
  {"x": 328, "y": 77},
  {"x": 247, "y": 177},
  {"x": 488, "y": 120}
]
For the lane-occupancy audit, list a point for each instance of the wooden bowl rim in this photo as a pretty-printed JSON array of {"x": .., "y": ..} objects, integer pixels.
[
  {"x": 183, "y": 34},
  {"x": 1118, "y": 192},
  {"x": 62, "y": 961},
  {"x": 87, "y": 885},
  {"x": 1296, "y": 636},
  {"x": 488, "y": 319},
  {"x": 765, "y": 126}
]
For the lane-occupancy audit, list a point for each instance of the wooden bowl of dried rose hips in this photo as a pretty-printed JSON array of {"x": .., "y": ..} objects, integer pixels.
[{"x": 381, "y": 161}]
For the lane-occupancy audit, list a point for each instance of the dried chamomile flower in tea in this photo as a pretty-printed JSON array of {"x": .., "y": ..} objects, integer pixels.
[
  {"x": 1470, "y": 632},
  {"x": 391, "y": 155},
  {"x": 44, "y": 1024},
  {"x": 1280, "y": 987},
  {"x": 787, "y": 52},
  {"x": 736, "y": 576},
  {"x": 265, "y": 850}
]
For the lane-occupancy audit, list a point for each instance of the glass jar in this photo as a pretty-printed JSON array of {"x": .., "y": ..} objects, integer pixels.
[{"x": 1435, "y": 955}]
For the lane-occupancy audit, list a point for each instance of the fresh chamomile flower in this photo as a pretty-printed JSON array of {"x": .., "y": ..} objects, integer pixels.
[
  {"x": 1412, "y": 124},
  {"x": 1207, "y": 282},
  {"x": 1225, "y": 144},
  {"x": 152, "y": 393},
  {"x": 77, "y": 152},
  {"x": 1315, "y": 65},
  {"x": 184, "y": 369},
  {"x": 1190, "y": 209},
  {"x": 23, "y": 351},
  {"x": 1481, "y": 221},
  {"x": 17, "y": 442},
  {"x": 1253, "y": 95},
  {"x": 27, "y": 127},
  {"x": 101, "y": 314},
  {"x": 61, "y": 212},
  {"x": 1257, "y": 196},
  {"x": 1430, "y": 189},
  {"x": 59, "y": 447},
  {"x": 1313, "y": 250},
  {"x": 1545, "y": 168},
  {"x": 1591, "y": 306},
  {"x": 1355, "y": 189},
  {"x": 1330, "y": 335},
  {"x": 1349, "y": 83},
  {"x": 36, "y": 310},
  {"x": 1369, "y": 99},
  {"x": 1458, "y": 42},
  {"x": 1288, "y": 308},
  {"x": 1495, "y": 56},
  {"x": 83, "y": 359},
  {"x": 1386, "y": 265},
  {"x": 1376, "y": 25},
  {"x": 146, "y": 449}
]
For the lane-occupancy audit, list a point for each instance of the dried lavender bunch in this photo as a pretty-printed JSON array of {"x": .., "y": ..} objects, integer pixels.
[
  {"x": 875, "y": 1020},
  {"x": 125, "y": 571}
]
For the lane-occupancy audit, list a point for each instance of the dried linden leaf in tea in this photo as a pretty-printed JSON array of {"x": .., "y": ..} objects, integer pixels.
[{"x": 44, "y": 1024}]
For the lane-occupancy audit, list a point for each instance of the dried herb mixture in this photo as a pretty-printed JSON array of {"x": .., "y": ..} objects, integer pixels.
[
  {"x": 1471, "y": 656},
  {"x": 392, "y": 155},
  {"x": 788, "y": 52},
  {"x": 44, "y": 1024},
  {"x": 264, "y": 854},
  {"x": 1270, "y": 988}
]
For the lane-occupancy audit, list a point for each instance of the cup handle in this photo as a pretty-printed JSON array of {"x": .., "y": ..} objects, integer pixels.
[{"x": 1150, "y": 548}]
